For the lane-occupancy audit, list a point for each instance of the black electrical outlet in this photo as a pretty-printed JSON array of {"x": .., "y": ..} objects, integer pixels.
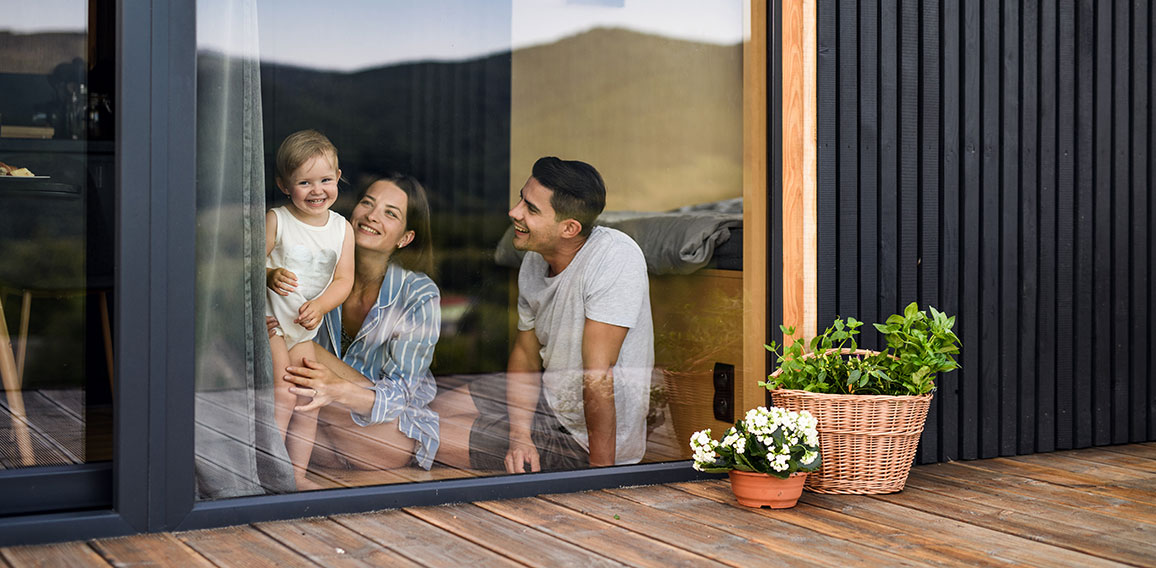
[{"x": 724, "y": 392}]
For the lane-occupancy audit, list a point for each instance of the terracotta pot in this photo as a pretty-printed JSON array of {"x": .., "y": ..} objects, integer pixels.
[{"x": 765, "y": 490}]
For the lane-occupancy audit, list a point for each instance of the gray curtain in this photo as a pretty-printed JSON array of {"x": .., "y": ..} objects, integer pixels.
[{"x": 238, "y": 447}]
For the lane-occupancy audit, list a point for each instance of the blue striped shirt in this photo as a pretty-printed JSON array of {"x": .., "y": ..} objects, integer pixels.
[{"x": 394, "y": 349}]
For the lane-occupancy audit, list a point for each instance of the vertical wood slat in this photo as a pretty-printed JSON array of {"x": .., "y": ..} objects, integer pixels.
[
  {"x": 1028, "y": 299},
  {"x": 969, "y": 314},
  {"x": 993, "y": 159},
  {"x": 928, "y": 148},
  {"x": 828, "y": 71},
  {"x": 1140, "y": 232},
  {"x": 1081, "y": 432},
  {"x": 948, "y": 397}
]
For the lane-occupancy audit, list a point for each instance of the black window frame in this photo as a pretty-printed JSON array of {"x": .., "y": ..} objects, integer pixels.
[{"x": 151, "y": 477}]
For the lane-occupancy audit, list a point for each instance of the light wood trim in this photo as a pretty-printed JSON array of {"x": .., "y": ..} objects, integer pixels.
[
  {"x": 799, "y": 167},
  {"x": 755, "y": 252}
]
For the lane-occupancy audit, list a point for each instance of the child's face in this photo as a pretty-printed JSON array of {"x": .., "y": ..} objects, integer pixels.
[{"x": 312, "y": 187}]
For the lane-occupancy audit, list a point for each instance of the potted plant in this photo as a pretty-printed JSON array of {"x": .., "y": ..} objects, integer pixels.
[
  {"x": 870, "y": 405},
  {"x": 767, "y": 455}
]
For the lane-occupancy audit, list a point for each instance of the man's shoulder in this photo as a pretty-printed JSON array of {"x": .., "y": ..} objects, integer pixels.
[{"x": 616, "y": 245}]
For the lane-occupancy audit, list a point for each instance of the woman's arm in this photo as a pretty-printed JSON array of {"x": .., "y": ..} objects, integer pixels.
[{"x": 330, "y": 380}]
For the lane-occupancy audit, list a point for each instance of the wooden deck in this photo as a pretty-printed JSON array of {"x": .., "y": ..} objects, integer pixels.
[{"x": 1093, "y": 507}]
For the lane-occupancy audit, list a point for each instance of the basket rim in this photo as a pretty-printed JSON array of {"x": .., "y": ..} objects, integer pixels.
[{"x": 853, "y": 397}]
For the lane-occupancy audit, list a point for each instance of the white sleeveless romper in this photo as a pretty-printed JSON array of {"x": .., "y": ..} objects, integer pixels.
[{"x": 309, "y": 252}]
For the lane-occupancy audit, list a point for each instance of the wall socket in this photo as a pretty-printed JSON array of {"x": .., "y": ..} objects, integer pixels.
[{"x": 724, "y": 392}]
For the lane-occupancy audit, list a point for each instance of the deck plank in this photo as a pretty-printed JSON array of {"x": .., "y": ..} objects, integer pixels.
[
  {"x": 1049, "y": 530},
  {"x": 419, "y": 541},
  {"x": 590, "y": 533},
  {"x": 1071, "y": 520},
  {"x": 518, "y": 542},
  {"x": 1046, "y": 510},
  {"x": 1044, "y": 473},
  {"x": 745, "y": 521},
  {"x": 63, "y": 555},
  {"x": 914, "y": 544},
  {"x": 1013, "y": 548},
  {"x": 242, "y": 546},
  {"x": 708, "y": 535},
  {"x": 150, "y": 550},
  {"x": 329, "y": 543},
  {"x": 1002, "y": 484}
]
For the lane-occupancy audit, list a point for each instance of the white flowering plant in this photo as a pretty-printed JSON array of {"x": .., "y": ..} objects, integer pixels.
[{"x": 772, "y": 440}]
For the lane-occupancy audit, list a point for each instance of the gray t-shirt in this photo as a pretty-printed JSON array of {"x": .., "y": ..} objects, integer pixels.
[{"x": 606, "y": 282}]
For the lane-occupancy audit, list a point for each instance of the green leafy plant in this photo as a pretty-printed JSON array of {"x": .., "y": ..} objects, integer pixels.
[{"x": 919, "y": 346}]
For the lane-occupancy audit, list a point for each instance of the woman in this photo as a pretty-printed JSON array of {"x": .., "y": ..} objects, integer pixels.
[{"x": 371, "y": 380}]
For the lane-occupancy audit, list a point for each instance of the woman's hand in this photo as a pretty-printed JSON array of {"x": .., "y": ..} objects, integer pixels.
[
  {"x": 280, "y": 280},
  {"x": 316, "y": 381},
  {"x": 308, "y": 315}
]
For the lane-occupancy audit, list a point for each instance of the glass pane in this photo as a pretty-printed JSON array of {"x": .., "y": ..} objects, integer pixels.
[
  {"x": 450, "y": 104},
  {"x": 57, "y": 63}
]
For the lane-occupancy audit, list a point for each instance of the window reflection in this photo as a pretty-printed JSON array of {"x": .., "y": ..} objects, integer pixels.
[
  {"x": 464, "y": 97},
  {"x": 56, "y": 232}
]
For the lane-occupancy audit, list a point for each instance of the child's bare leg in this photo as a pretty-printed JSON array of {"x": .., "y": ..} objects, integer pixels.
[
  {"x": 302, "y": 431},
  {"x": 283, "y": 399}
]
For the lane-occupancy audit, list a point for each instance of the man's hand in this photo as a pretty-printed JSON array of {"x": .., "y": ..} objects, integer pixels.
[
  {"x": 280, "y": 280},
  {"x": 522, "y": 452}
]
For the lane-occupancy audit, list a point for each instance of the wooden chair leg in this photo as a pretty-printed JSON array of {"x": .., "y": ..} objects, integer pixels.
[
  {"x": 22, "y": 351},
  {"x": 13, "y": 390}
]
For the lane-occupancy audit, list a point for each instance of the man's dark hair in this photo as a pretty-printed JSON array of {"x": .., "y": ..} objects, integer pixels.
[{"x": 579, "y": 192}]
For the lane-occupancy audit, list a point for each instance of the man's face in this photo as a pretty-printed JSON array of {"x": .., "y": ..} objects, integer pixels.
[{"x": 535, "y": 228}]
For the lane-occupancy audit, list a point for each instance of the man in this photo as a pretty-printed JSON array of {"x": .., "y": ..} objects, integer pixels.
[{"x": 578, "y": 379}]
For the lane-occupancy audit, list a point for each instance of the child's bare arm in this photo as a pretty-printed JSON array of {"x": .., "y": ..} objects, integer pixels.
[
  {"x": 311, "y": 312},
  {"x": 278, "y": 280}
]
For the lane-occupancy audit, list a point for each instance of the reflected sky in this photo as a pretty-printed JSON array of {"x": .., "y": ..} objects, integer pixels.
[
  {"x": 28, "y": 16},
  {"x": 350, "y": 35}
]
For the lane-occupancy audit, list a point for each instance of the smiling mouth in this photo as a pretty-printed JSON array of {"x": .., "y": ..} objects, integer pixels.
[
  {"x": 367, "y": 229},
  {"x": 521, "y": 231},
  {"x": 316, "y": 202}
]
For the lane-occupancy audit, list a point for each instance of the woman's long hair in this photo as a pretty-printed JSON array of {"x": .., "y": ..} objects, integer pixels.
[{"x": 418, "y": 254}]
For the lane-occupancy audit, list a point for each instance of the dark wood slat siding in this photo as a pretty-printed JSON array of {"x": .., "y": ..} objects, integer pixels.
[{"x": 994, "y": 159}]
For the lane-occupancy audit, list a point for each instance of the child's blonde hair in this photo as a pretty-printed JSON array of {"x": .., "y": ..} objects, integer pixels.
[{"x": 299, "y": 147}]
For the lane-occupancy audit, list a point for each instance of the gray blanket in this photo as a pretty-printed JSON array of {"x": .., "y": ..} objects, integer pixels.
[{"x": 677, "y": 242}]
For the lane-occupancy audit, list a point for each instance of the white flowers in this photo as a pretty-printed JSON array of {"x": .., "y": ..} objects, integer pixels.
[{"x": 768, "y": 440}]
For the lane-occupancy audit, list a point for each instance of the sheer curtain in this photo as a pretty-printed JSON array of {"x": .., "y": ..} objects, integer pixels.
[{"x": 238, "y": 448}]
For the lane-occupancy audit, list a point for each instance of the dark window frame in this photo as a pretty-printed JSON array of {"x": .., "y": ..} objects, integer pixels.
[{"x": 152, "y": 477}]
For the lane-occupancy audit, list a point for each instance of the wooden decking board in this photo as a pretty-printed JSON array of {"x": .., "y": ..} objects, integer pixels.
[
  {"x": 242, "y": 546},
  {"x": 149, "y": 550},
  {"x": 62, "y": 555},
  {"x": 590, "y": 533},
  {"x": 1043, "y": 511},
  {"x": 1053, "y": 531},
  {"x": 328, "y": 543},
  {"x": 1137, "y": 492},
  {"x": 1017, "y": 549},
  {"x": 937, "y": 550},
  {"x": 770, "y": 531},
  {"x": 707, "y": 535},
  {"x": 1070, "y": 519},
  {"x": 416, "y": 540},
  {"x": 1144, "y": 450},
  {"x": 524, "y": 544},
  {"x": 1005, "y": 484}
]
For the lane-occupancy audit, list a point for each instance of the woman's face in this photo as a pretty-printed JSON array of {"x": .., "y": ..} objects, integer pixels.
[{"x": 379, "y": 218}]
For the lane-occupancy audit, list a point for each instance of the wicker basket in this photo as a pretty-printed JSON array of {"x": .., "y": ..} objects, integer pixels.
[{"x": 868, "y": 442}]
